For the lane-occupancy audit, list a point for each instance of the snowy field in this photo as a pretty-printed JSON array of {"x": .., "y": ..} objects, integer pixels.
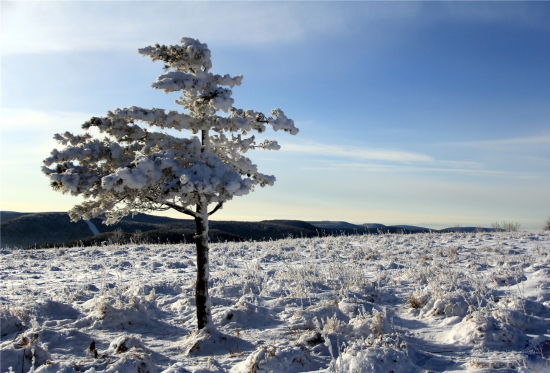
[{"x": 389, "y": 303}]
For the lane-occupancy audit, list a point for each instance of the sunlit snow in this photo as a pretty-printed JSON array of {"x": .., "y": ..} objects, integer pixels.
[{"x": 372, "y": 303}]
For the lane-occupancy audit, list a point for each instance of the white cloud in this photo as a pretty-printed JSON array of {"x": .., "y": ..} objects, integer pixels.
[
  {"x": 435, "y": 169},
  {"x": 354, "y": 152},
  {"x": 506, "y": 144},
  {"x": 27, "y": 136},
  {"x": 341, "y": 158},
  {"x": 40, "y": 121},
  {"x": 34, "y": 27},
  {"x": 63, "y": 26}
]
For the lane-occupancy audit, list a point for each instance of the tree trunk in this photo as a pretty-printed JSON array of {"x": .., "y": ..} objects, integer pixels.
[{"x": 202, "y": 299}]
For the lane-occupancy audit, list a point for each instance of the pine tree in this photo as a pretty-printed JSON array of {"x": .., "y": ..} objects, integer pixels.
[{"x": 131, "y": 168}]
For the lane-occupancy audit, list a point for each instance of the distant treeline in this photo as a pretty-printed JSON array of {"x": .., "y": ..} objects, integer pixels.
[{"x": 54, "y": 229}]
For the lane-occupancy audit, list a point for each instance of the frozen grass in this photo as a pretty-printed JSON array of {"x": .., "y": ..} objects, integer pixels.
[{"x": 432, "y": 302}]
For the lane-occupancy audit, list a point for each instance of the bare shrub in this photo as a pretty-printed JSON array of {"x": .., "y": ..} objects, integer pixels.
[
  {"x": 505, "y": 226},
  {"x": 138, "y": 237},
  {"x": 547, "y": 224},
  {"x": 416, "y": 301},
  {"x": 117, "y": 237},
  {"x": 452, "y": 253}
]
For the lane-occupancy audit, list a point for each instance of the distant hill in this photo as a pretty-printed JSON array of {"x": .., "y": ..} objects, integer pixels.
[
  {"x": 373, "y": 225},
  {"x": 467, "y": 229},
  {"x": 160, "y": 236},
  {"x": 413, "y": 228},
  {"x": 34, "y": 229},
  {"x": 376, "y": 227},
  {"x": 8, "y": 215},
  {"x": 29, "y": 229},
  {"x": 49, "y": 229},
  {"x": 337, "y": 225},
  {"x": 369, "y": 227}
]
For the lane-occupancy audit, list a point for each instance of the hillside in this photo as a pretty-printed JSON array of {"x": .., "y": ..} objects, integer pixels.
[
  {"x": 50, "y": 229},
  {"x": 8, "y": 215},
  {"x": 24, "y": 230},
  {"x": 30, "y": 229},
  {"x": 35, "y": 229}
]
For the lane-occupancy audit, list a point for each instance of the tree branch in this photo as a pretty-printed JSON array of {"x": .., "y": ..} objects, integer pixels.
[
  {"x": 183, "y": 210},
  {"x": 218, "y": 206}
]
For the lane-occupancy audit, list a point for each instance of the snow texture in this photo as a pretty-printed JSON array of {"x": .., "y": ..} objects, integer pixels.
[{"x": 371, "y": 303}]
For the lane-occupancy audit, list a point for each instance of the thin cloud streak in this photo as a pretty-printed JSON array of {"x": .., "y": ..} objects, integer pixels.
[
  {"x": 401, "y": 169},
  {"x": 35, "y": 120},
  {"x": 502, "y": 143},
  {"x": 323, "y": 150},
  {"x": 66, "y": 26}
]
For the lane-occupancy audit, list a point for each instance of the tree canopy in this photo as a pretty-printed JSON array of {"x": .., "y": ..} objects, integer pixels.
[{"x": 132, "y": 167}]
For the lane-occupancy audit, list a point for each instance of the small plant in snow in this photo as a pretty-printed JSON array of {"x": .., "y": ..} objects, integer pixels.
[
  {"x": 137, "y": 237},
  {"x": 505, "y": 226},
  {"x": 377, "y": 323},
  {"x": 152, "y": 295},
  {"x": 417, "y": 300},
  {"x": 117, "y": 237},
  {"x": 129, "y": 168}
]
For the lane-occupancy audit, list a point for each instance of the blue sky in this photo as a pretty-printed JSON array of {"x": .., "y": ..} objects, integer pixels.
[{"x": 425, "y": 113}]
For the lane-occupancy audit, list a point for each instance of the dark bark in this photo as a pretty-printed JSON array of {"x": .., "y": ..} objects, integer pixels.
[
  {"x": 202, "y": 298},
  {"x": 218, "y": 206}
]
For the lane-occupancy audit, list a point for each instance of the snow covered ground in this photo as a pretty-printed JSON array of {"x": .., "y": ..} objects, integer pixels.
[{"x": 389, "y": 303}]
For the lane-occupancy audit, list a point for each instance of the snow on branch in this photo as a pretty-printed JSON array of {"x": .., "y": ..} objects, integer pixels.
[
  {"x": 190, "y": 56},
  {"x": 131, "y": 167}
]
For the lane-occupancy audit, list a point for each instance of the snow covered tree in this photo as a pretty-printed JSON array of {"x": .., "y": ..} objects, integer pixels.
[{"x": 129, "y": 168}]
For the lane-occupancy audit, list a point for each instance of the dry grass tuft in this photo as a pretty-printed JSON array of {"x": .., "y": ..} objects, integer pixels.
[{"x": 416, "y": 301}]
